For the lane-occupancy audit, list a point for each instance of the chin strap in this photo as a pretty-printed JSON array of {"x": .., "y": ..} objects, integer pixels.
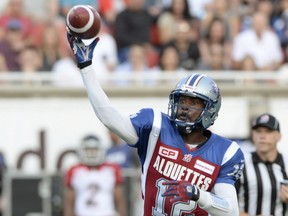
[{"x": 184, "y": 129}]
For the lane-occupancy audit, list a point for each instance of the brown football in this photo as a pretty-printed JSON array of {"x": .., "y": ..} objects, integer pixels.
[{"x": 83, "y": 21}]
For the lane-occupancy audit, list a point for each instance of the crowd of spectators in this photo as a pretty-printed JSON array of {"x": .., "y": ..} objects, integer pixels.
[{"x": 153, "y": 35}]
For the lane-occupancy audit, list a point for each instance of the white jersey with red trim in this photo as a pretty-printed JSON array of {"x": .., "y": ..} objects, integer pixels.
[
  {"x": 165, "y": 156},
  {"x": 94, "y": 188}
]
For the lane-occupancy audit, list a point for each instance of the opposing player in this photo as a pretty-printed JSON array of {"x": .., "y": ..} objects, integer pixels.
[
  {"x": 93, "y": 187},
  {"x": 186, "y": 169}
]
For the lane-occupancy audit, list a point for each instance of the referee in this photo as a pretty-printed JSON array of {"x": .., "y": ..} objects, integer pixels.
[{"x": 260, "y": 191}]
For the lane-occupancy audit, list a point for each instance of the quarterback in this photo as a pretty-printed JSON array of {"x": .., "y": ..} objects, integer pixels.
[{"x": 186, "y": 169}]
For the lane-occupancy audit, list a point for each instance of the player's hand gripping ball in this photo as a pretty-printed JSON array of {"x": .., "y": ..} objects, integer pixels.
[{"x": 83, "y": 22}]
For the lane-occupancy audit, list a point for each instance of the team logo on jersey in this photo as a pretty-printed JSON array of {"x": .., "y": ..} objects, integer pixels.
[
  {"x": 187, "y": 157},
  {"x": 205, "y": 167},
  {"x": 238, "y": 168},
  {"x": 168, "y": 153}
]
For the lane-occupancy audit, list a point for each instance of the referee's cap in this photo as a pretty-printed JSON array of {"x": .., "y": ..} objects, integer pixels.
[{"x": 266, "y": 120}]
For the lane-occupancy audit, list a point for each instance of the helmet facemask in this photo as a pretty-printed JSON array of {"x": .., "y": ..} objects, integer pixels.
[
  {"x": 181, "y": 119},
  {"x": 91, "y": 152},
  {"x": 198, "y": 86}
]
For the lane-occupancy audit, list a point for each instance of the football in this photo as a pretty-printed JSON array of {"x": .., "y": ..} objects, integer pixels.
[{"x": 83, "y": 21}]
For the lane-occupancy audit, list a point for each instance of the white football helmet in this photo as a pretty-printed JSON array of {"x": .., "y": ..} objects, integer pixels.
[
  {"x": 91, "y": 151},
  {"x": 199, "y": 86}
]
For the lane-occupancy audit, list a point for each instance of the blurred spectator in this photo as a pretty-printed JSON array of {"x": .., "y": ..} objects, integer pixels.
[
  {"x": 15, "y": 11},
  {"x": 137, "y": 60},
  {"x": 266, "y": 7},
  {"x": 132, "y": 26},
  {"x": 137, "y": 63},
  {"x": 37, "y": 10},
  {"x": 166, "y": 28},
  {"x": 2, "y": 170},
  {"x": 270, "y": 8},
  {"x": 169, "y": 59},
  {"x": 152, "y": 54},
  {"x": 51, "y": 45},
  {"x": 167, "y": 21},
  {"x": 12, "y": 44},
  {"x": 199, "y": 8},
  {"x": 237, "y": 12},
  {"x": 54, "y": 9},
  {"x": 109, "y": 9},
  {"x": 248, "y": 8},
  {"x": 93, "y": 187},
  {"x": 3, "y": 66},
  {"x": 52, "y": 20},
  {"x": 217, "y": 60},
  {"x": 217, "y": 34},
  {"x": 248, "y": 64},
  {"x": 221, "y": 9},
  {"x": 186, "y": 41},
  {"x": 105, "y": 58},
  {"x": 154, "y": 7},
  {"x": 280, "y": 26},
  {"x": 258, "y": 42},
  {"x": 169, "y": 63},
  {"x": 30, "y": 60}
]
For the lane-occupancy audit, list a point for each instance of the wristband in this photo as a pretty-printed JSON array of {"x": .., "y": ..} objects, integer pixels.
[{"x": 84, "y": 64}]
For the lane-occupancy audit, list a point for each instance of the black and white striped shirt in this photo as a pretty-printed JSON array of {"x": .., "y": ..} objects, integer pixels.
[{"x": 259, "y": 186}]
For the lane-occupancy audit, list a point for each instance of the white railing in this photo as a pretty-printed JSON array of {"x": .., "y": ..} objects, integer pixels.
[
  {"x": 231, "y": 83},
  {"x": 151, "y": 78}
]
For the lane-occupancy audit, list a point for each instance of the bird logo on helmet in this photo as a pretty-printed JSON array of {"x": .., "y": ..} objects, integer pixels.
[{"x": 202, "y": 87}]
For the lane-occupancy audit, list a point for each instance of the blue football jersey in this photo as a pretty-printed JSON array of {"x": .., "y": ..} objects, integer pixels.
[{"x": 165, "y": 156}]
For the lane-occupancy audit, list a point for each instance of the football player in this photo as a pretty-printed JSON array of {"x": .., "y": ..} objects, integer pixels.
[
  {"x": 186, "y": 169},
  {"x": 93, "y": 187}
]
